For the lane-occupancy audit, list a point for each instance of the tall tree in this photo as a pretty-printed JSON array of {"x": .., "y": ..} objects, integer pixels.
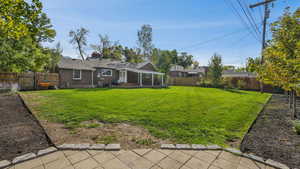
[
  {"x": 145, "y": 41},
  {"x": 185, "y": 60},
  {"x": 108, "y": 49},
  {"x": 132, "y": 55},
  {"x": 282, "y": 56},
  {"x": 23, "y": 26},
  {"x": 252, "y": 64},
  {"x": 215, "y": 69},
  {"x": 196, "y": 64},
  {"x": 55, "y": 56},
  {"x": 79, "y": 40}
]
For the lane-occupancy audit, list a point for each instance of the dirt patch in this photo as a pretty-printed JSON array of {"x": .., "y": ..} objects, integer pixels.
[
  {"x": 129, "y": 136},
  {"x": 272, "y": 136},
  {"x": 19, "y": 131}
]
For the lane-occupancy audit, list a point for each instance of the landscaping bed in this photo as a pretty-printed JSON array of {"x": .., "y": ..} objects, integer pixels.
[
  {"x": 19, "y": 131},
  {"x": 146, "y": 117},
  {"x": 272, "y": 136}
]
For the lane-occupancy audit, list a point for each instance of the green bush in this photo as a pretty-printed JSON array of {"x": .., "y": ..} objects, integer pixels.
[
  {"x": 297, "y": 126},
  {"x": 241, "y": 84}
]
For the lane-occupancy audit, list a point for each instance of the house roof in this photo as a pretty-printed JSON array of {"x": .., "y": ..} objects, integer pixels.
[
  {"x": 237, "y": 74},
  {"x": 91, "y": 64},
  {"x": 69, "y": 63},
  {"x": 178, "y": 68}
]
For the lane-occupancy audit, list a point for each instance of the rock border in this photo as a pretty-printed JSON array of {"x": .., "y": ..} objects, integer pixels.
[
  {"x": 30, "y": 156},
  {"x": 117, "y": 147},
  {"x": 268, "y": 162}
]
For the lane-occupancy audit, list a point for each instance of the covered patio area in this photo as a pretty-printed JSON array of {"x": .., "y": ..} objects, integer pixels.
[{"x": 140, "y": 78}]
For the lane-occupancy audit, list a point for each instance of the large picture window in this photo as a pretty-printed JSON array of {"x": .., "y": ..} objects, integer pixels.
[
  {"x": 106, "y": 72},
  {"x": 77, "y": 74}
]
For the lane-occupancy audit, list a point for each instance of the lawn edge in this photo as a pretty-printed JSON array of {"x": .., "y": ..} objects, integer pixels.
[
  {"x": 36, "y": 120},
  {"x": 255, "y": 120}
]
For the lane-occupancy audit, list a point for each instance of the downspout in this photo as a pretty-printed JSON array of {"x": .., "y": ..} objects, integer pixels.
[{"x": 92, "y": 79}]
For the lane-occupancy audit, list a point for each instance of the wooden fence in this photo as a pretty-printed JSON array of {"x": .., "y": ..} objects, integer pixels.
[
  {"x": 183, "y": 81},
  {"x": 248, "y": 83},
  {"x": 28, "y": 81}
]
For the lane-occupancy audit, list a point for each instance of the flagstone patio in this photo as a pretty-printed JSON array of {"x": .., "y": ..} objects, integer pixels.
[{"x": 141, "y": 159}]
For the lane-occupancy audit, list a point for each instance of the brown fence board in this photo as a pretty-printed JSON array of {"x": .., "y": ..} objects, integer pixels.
[
  {"x": 183, "y": 81},
  {"x": 27, "y": 81}
]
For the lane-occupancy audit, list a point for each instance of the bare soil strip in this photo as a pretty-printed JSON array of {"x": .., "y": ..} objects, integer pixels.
[
  {"x": 19, "y": 131},
  {"x": 272, "y": 135}
]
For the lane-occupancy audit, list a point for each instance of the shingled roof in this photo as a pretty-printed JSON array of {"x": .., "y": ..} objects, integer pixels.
[
  {"x": 69, "y": 63},
  {"x": 91, "y": 64}
]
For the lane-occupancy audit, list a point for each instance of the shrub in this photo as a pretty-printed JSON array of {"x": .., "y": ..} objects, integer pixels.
[
  {"x": 297, "y": 126},
  {"x": 241, "y": 84}
]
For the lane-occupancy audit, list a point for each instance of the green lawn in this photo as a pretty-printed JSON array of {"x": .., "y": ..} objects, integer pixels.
[{"x": 182, "y": 114}]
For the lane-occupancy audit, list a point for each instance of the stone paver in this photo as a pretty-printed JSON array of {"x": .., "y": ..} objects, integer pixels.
[
  {"x": 104, "y": 157},
  {"x": 140, "y": 159},
  {"x": 180, "y": 156},
  {"x": 169, "y": 163},
  {"x": 195, "y": 163},
  {"x": 79, "y": 156}
]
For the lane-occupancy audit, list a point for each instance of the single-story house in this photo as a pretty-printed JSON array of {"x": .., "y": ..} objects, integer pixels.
[
  {"x": 180, "y": 71},
  {"x": 76, "y": 73},
  {"x": 232, "y": 73}
]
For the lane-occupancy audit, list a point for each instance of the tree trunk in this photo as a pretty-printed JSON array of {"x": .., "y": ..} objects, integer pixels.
[
  {"x": 295, "y": 104},
  {"x": 290, "y": 99},
  {"x": 291, "y": 104}
]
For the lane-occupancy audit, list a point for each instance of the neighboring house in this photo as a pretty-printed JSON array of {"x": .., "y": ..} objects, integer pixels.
[
  {"x": 180, "y": 71},
  {"x": 232, "y": 73},
  {"x": 75, "y": 73}
]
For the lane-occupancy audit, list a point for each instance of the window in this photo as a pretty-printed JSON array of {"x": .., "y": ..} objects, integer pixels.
[
  {"x": 77, "y": 74},
  {"x": 106, "y": 72}
]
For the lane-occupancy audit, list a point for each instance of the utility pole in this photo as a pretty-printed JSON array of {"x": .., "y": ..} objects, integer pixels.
[{"x": 266, "y": 16}]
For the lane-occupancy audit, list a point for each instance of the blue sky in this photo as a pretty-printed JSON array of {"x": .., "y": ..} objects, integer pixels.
[{"x": 194, "y": 26}]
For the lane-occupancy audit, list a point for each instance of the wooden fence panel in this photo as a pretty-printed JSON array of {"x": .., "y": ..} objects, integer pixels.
[
  {"x": 9, "y": 81},
  {"x": 27, "y": 81},
  {"x": 51, "y": 78},
  {"x": 183, "y": 81}
]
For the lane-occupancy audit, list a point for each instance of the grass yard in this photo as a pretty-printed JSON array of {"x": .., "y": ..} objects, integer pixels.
[{"x": 181, "y": 114}]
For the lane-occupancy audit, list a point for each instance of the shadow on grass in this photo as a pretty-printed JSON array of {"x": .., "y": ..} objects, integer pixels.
[
  {"x": 235, "y": 91},
  {"x": 93, "y": 89},
  {"x": 107, "y": 89}
]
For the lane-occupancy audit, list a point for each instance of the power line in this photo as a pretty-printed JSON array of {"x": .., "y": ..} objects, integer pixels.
[
  {"x": 212, "y": 39},
  {"x": 253, "y": 18},
  {"x": 249, "y": 17},
  {"x": 237, "y": 13}
]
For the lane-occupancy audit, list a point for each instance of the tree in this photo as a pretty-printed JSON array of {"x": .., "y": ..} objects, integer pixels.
[
  {"x": 185, "y": 60},
  {"x": 229, "y": 67},
  {"x": 215, "y": 69},
  {"x": 55, "y": 56},
  {"x": 79, "y": 40},
  {"x": 108, "y": 49},
  {"x": 252, "y": 64},
  {"x": 132, "y": 55},
  {"x": 23, "y": 26},
  {"x": 145, "y": 41},
  {"x": 281, "y": 66},
  {"x": 195, "y": 64}
]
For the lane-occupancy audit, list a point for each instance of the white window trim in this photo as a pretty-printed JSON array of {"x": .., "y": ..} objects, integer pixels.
[
  {"x": 111, "y": 72},
  {"x": 74, "y": 74}
]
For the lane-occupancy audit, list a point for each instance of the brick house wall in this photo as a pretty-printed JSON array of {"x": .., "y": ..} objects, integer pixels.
[
  {"x": 100, "y": 81},
  {"x": 66, "y": 79}
]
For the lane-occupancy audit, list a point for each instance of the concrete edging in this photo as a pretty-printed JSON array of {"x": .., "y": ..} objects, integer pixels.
[
  {"x": 117, "y": 147},
  {"x": 30, "y": 156},
  {"x": 268, "y": 162}
]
